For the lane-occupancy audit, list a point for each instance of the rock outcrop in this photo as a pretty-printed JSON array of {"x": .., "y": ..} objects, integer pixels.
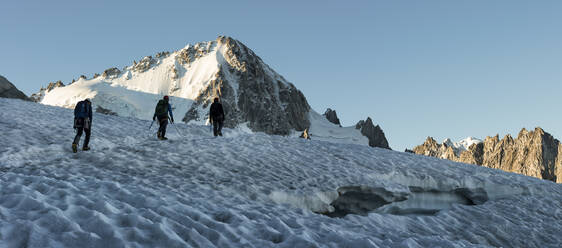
[
  {"x": 533, "y": 153},
  {"x": 111, "y": 72},
  {"x": 162, "y": 54},
  {"x": 8, "y": 90},
  {"x": 104, "y": 111},
  {"x": 305, "y": 134},
  {"x": 373, "y": 133},
  {"x": 144, "y": 64},
  {"x": 332, "y": 117},
  {"x": 37, "y": 97}
]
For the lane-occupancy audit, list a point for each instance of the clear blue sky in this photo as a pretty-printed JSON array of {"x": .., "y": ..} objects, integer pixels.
[{"x": 418, "y": 68}]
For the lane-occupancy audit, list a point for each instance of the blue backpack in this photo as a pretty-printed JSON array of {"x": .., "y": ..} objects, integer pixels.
[{"x": 81, "y": 110}]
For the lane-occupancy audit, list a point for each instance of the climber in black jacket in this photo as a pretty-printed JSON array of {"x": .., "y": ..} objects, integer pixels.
[{"x": 216, "y": 116}]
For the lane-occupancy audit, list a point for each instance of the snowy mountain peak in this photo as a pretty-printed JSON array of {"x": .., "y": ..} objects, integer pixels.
[
  {"x": 182, "y": 74},
  {"x": 253, "y": 94}
]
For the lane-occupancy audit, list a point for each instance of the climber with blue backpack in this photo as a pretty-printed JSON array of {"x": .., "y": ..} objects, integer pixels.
[
  {"x": 82, "y": 123},
  {"x": 161, "y": 112}
]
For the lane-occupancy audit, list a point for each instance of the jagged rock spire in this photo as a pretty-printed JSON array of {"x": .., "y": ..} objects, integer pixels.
[{"x": 332, "y": 116}]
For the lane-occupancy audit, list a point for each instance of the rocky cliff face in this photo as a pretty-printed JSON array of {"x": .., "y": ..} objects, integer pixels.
[
  {"x": 8, "y": 90},
  {"x": 533, "y": 153}
]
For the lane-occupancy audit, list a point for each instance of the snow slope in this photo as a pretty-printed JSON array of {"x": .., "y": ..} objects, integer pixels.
[
  {"x": 249, "y": 190},
  {"x": 133, "y": 93},
  {"x": 324, "y": 130}
]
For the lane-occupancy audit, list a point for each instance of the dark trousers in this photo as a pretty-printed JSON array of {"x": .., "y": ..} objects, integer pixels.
[
  {"x": 79, "y": 134},
  {"x": 217, "y": 127},
  {"x": 163, "y": 121}
]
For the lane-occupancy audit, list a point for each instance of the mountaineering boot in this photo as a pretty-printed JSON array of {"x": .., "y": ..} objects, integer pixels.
[
  {"x": 158, "y": 135},
  {"x": 163, "y": 138},
  {"x": 85, "y": 148},
  {"x": 74, "y": 148}
]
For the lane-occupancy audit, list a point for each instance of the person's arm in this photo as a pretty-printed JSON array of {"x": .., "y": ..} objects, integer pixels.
[
  {"x": 170, "y": 111},
  {"x": 211, "y": 113},
  {"x": 75, "y": 112},
  {"x": 90, "y": 112},
  {"x": 76, "y": 109}
]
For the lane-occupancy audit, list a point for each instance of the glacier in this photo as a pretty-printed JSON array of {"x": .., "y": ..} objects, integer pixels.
[{"x": 249, "y": 190}]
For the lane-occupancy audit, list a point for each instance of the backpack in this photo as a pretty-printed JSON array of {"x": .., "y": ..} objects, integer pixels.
[
  {"x": 81, "y": 111},
  {"x": 161, "y": 108}
]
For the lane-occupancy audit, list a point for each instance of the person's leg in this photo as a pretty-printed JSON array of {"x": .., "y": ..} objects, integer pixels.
[
  {"x": 77, "y": 139},
  {"x": 160, "y": 127},
  {"x": 87, "y": 139},
  {"x": 220, "y": 127},
  {"x": 79, "y": 126},
  {"x": 78, "y": 135},
  {"x": 215, "y": 127},
  {"x": 164, "y": 124}
]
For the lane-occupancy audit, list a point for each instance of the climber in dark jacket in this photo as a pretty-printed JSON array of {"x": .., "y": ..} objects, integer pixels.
[
  {"x": 82, "y": 123},
  {"x": 216, "y": 116},
  {"x": 161, "y": 112}
]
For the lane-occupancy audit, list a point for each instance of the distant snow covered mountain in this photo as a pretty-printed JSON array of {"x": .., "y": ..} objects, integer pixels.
[
  {"x": 249, "y": 190},
  {"x": 462, "y": 145},
  {"x": 253, "y": 94}
]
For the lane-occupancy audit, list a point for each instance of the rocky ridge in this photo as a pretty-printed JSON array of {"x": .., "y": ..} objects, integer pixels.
[
  {"x": 9, "y": 90},
  {"x": 533, "y": 153}
]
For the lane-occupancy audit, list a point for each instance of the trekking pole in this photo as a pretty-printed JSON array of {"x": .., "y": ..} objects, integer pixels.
[
  {"x": 148, "y": 131},
  {"x": 177, "y": 130}
]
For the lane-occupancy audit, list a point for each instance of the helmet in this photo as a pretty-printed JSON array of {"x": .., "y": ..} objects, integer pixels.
[{"x": 166, "y": 98}]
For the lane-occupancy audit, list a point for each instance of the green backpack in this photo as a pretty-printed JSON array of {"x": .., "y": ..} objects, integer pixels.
[{"x": 161, "y": 108}]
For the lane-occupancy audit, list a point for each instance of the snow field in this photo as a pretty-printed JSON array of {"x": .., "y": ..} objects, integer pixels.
[
  {"x": 241, "y": 190},
  {"x": 322, "y": 129}
]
